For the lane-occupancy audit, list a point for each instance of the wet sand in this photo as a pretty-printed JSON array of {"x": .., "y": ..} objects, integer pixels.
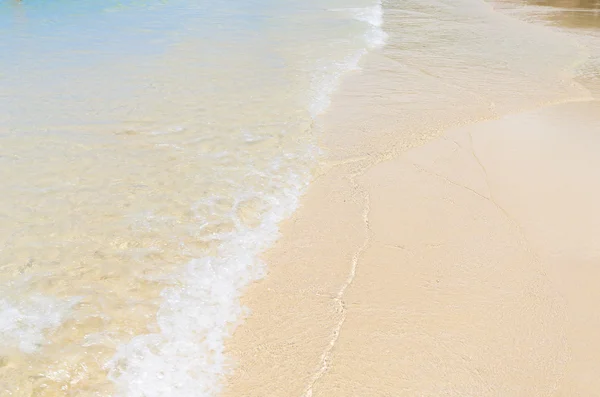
[
  {"x": 574, "y": 14},
  {"x": 452, "y": 254},
  {"x": 472, "y": 271}
]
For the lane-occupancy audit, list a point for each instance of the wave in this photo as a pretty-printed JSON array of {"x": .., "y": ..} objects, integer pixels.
[
  {"x": 23, "y": 324},
  {"x": 200, "y": 307}
]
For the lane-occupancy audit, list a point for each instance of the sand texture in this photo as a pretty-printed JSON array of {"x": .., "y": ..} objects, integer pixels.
[
  {"x": 467, "y": 266},
  {"x": 449, "y": 244}
]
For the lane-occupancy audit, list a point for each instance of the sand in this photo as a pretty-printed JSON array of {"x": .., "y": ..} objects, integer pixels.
[
  {"x": 467, "y": 266},
  {"x": 463, "y": 263}
]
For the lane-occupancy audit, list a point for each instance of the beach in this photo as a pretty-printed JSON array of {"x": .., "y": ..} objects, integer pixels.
[
  {"x": 301, "y": 198},
  {"x": 448, "y": 243},
  {"x": 148, "y": 152}
]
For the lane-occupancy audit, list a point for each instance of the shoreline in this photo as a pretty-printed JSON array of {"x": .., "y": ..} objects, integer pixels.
[
  {"x": 408, "y": 269},
  {"x": 314, "y": 324}
]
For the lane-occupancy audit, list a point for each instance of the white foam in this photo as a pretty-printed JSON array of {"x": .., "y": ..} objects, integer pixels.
[
  {"x": 375, "y": 36},
  {"x": 186, "y": 358},
  {"x": 23, "y": 324},
  {"x": 372, "y": 15},
  {"x": 327, "y": 79}
]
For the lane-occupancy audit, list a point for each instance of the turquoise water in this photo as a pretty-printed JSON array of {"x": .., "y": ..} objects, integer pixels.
[{"x": 148, "y": 151}]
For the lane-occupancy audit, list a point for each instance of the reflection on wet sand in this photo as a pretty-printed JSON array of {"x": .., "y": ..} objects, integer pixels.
[
  {"x": 593, "y": 4},
  {"x": 567, "y": 13},
  {"x": 579, "y": 18}
]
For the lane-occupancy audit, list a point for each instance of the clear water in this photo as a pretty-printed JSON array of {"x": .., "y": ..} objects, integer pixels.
[{"x": 148, "y": 150}]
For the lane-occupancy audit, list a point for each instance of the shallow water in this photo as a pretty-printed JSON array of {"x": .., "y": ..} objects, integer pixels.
[
  {"x": 450, "y": 63},
  {"x": 148, "y": 150},
  {"x": 579, "y": 19}
]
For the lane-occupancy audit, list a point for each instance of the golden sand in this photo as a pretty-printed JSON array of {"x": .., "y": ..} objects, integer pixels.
[
  {"x": 467, "y": 266},
  {"x": 435, "y": 254}
]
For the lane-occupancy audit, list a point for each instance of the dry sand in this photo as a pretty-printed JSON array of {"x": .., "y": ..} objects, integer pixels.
[{"x": 467, "y": 266}]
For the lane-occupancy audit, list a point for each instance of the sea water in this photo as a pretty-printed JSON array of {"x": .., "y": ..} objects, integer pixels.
[{"x": 148, "y": 151}]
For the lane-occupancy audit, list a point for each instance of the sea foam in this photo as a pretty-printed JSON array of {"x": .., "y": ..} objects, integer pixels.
[
  {"x": 186, "y": 358},
  {"x": 375, "y": 36},
  {"x": 200, "y": 307},
  {"x": 24, "y": 323},
  {"x": 327, "y": 78}
]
